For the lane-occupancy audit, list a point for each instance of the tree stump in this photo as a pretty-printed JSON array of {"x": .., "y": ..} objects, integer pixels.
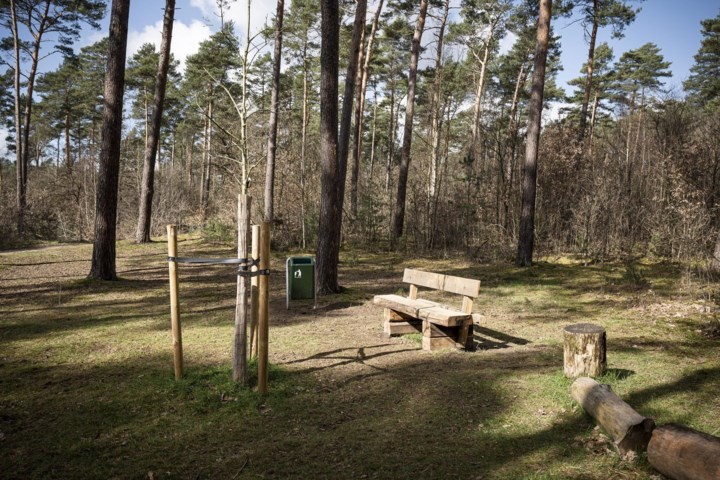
[
  {"x": 684, "y": 454},
  {"x": 584, "y": 350}
]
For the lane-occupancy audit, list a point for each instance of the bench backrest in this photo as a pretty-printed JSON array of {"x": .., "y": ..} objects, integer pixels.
[{"x": 467, "y": 287}]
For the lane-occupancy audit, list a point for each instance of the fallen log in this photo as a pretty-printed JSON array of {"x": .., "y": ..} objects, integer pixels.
[
  {"x": 682, "y": 453},
  {"x": 628, "y": 429}
]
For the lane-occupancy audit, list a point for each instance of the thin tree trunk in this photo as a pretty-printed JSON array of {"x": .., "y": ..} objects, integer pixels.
[
  {"x": 391, "y": 140},
  {"x": 593, "y": 114},
  {"x": 434, "y": 107},
  {"x": 527, "y": 216},
  {"x": 716, "y": 255},
  {"x": 372, "y": 138},
  {"x": 589, "y": 75},
  {"x": 272, "y": 136},
  {"x": 477, "y": 107},
  {"x": 509, "y": 163},
  {"x": 103, "y": 258},
  {"x": 303, "y": 145},
  {"x": 359, "y": 112},
  {"x": 205, "y": 198},
  {"x": 330, "y": 214},
  {"x": 399, "y": 222},
  {"x": 68, "y": 157},
  {"x": 244, "y": 156},
  {"x": 19, "y": 170},
  {"x": 24, "y": 134},
  {"x": 142, "y": 234},
  {"x": 348, "y": 97}
]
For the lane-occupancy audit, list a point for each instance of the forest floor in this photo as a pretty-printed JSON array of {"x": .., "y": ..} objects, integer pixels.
[{"x": 87, "y": 388}]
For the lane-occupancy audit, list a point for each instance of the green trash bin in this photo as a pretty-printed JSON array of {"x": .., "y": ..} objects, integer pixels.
[{"x": 300, "y": 278}]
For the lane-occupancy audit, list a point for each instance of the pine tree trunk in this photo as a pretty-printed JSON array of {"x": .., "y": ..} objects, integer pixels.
[
  {"x": 103, "y": 258},
  {"x": 303, "y": 145},
  {"x": 68, "y": 157},
  {"x": 148, "y": 180},
  {"x": 478, "y": 98},
  {"x": 589, "y": 76},
  {"x": 272, "y": 136},
  {"x": 527, "y": 216},
  {"x": 359, "y": 112},
  {"x": 207, "y": 166},
  {"x": 348, "y": 96},
  {"x": 330, "y": 214},
  {"x": 399, "y": 221},
  {"x": 435, "y": 114}
]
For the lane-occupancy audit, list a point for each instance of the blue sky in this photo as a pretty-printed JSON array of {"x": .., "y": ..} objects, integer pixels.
[{"x": 673, "y": 26}]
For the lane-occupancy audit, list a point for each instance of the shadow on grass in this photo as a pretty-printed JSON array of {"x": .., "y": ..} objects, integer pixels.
[
  {"x": 128, "y": 418},
  {"x": 487, "y": 338}
]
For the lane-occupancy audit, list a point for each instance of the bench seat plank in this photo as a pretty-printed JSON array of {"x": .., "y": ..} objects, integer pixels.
[
  {"x": 424, "y": 310},
  {"x": 403, "y": 304}
]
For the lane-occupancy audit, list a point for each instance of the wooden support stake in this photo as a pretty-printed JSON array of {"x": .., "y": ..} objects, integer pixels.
[
  {"x": 239, "y": 353},
  {"x": 263, "y": 319},
  {"x": 682, "y": 453},
  {"x": 174, "y": 302},
  {"x": 254, "y": 282},
  {"x": 629, "y": 429}
]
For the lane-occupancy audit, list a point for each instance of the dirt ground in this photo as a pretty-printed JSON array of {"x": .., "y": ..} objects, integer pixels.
[{"x": 345, "y": 401}]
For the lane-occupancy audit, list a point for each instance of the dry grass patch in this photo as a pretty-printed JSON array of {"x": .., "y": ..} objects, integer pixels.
[{"x": 86, "y": 386}]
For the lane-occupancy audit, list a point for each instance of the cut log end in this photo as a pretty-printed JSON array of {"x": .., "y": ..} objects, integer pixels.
[{"x": 682, "y": 453}]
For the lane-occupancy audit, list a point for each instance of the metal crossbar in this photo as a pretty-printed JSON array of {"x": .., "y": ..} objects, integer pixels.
[{"x": 243, "y": 262}]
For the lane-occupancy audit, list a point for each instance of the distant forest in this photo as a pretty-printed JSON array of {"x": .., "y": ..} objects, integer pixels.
[{"x": 626, "y": 169}]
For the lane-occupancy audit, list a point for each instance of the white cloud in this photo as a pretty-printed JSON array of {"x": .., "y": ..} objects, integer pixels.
[
  {"x": 507, "y": 42},
  {"x": 186, "y": 38},
  {"x": 261, "y": 12}
]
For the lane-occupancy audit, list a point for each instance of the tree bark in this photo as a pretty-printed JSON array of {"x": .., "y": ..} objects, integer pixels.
[
  {"x": 435, "y": 106},
  {"x": 584, "y": 351},
  {"x": 527, "y": 216},
  {"x": 399, "y": 221},
  {"x": 19, "y": 168},
  {"x": 24, "y": 133},
  {"x": 303, "y": 145},
  {"x": 207, "y": 165},
  {"x": 715, "y": 263},
  {"x": 348, "y": 96},
  {"x": 103, "y": 258},
  {"x": 148, "y": 179},
  {"x": 589, "y": 75},
  {"x": 359, "y": 111},
  {"x": 682, "y": 453},
  {"x": 272, "y": 136},
  {"x": 330, "y": 214},
  {"x": 478, "y": 98},
  {"x": 628, "y": 429}
]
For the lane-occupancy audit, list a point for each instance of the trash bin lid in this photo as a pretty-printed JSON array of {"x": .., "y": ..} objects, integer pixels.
[{"x": 301, "y": 260}]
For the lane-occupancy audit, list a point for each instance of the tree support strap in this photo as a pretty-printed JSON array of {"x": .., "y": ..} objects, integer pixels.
[{"x": 244, "y": 264}]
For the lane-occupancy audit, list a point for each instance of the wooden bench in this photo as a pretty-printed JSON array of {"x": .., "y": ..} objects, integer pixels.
[{"x": 441, "y": 326}]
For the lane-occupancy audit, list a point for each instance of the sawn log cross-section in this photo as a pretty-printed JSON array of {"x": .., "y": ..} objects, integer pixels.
[{"x": 441, "y": 326}]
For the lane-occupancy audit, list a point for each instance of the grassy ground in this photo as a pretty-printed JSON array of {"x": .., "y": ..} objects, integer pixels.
[{"x": 87, "y": 389}]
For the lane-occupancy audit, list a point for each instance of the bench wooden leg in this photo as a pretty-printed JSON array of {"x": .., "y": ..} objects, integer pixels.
[
  {"x": 465, "y": 337},
  {"x": 397, "y": 323}
]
